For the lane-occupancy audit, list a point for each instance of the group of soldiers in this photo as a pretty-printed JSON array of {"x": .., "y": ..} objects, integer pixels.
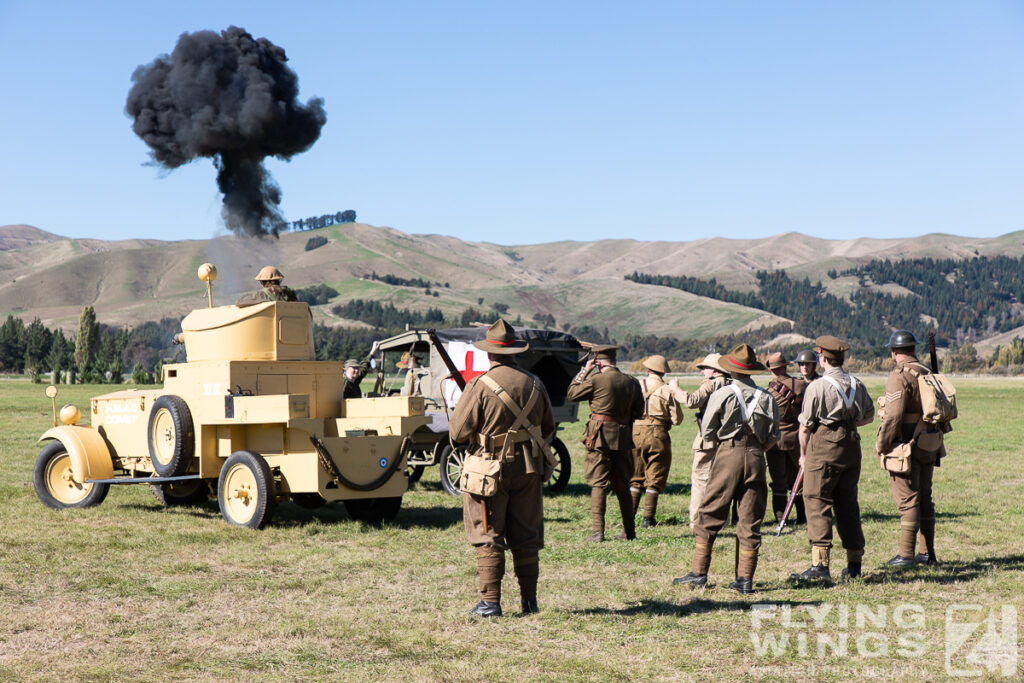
[{"x": 795, "y": 428}]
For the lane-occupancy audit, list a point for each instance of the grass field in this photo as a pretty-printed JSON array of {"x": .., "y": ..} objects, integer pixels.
[{"x": 131, "y": 591}]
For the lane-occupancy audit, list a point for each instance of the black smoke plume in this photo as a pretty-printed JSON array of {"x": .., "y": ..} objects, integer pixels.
[{"x": 232, "y": 98}]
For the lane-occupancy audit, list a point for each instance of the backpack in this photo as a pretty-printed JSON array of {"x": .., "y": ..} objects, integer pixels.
[{"x": 938, "y": 398}]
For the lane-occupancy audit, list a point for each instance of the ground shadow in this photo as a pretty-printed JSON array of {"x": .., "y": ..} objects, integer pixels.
[
  {"x": 875, "y": 516},
  {"x": 700, "y": 605},
  {"x": 945, "y": 572}
]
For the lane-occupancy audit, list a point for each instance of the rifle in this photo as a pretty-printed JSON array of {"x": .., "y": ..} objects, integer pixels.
[
  {"x": 931, "y": 350},
  {"x": 792, "y": 498}
]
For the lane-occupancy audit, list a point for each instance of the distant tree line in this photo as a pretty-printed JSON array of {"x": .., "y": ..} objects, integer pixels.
[
  {"x": 966, "y": 300},
  {"x": 316, "y": 222},
  {"x": 389, "y": 279}
]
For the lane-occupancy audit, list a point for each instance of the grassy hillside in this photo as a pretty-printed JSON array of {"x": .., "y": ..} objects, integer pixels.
[{"x": 579, "y": 283}]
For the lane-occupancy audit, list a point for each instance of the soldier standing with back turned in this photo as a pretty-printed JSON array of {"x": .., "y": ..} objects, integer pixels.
[
  {"x": 783, "y": 458},
  {"x": 652, "y": 445},
  {"x": 900, "y": 424},
  {"x": 743, "y": 421},
  {"x": 833, "y": 407},
  {"x": 506, "y": 414},
  {"x": 615, "y": 402},
  {"x": 703, "y": 451}
]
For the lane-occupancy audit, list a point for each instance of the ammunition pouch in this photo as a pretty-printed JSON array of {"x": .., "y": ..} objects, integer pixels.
[
  {"x": 480, "y": 475},
  {"x": 897, "y": 460},
  {"x": 522, "y": 430}
]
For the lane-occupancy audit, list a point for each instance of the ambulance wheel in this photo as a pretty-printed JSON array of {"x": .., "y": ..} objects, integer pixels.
[
  {"x": 563, "y": 467},
  {"x": 192, "y": 492},
  {"x": 373, "y": 510},
  {"x": 451, "y": 469},
  {"x": 55, "y": 483},
  {"x": 245, "y": 490},
  {"x": 171, "y": 436}
]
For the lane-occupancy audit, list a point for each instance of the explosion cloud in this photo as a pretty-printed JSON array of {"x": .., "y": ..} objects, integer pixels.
[{"x": 232, "y": 98}]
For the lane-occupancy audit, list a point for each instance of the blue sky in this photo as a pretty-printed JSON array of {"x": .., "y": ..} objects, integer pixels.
[{"x": 531, "y": 122}]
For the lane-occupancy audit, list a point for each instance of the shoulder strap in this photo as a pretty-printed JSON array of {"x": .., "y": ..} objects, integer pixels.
[
  {"x": 746, "y": 409},
  {"x": 520, "y": 413},
  {"x": 847, "y": 397}
]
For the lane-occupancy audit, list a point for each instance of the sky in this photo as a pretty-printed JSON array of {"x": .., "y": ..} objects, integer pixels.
[{"x": 527, "y": 122}]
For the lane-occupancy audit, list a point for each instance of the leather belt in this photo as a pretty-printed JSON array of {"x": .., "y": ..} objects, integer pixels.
[
  {"x": 650, "y": 423},
  {"x": 493, "y": 444},
  {"x": 604, "y": 418}
]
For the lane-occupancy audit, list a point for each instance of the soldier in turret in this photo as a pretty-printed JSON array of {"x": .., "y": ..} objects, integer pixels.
[{"x": 271, "y": 289}]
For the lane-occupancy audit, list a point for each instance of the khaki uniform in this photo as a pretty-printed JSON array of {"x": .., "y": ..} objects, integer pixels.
[
  {"x": 741, "y": 433},
  {"x": 515, "y": 514},
  {"x": 268, "y": 293},
  {"x": 784, "y": 457},
  {"x": 832, "y": 462},
  {"x": 414, "y": 379},
  {"x": 651, "y": 443},
  {"x": 616, "y": 400},
  {"x": 703, "y": 451},
  {"x": 912, "y": 492}
]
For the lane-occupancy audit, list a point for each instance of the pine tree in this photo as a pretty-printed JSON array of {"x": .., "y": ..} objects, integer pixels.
[{"x": 87, "y": 340}]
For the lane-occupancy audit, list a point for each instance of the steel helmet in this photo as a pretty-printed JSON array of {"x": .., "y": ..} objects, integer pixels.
[
  {"x": 270, "y": 274},
  {"x": 806, "y": 356},
  {"x": 901, "y": 339}
]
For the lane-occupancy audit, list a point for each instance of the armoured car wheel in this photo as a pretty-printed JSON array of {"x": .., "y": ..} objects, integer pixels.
[
  {"x": 55, "y": 483},
  {"x": 310, "y": 501},
  {"x": 451, "y": 469},
  {"x": 245, "y": 490},
  {"x": 373, "y": 510},
  {"x": 194, "y": 492},
  {"x": 563, "y": 468},
  {"x": 171, "y": 436}
]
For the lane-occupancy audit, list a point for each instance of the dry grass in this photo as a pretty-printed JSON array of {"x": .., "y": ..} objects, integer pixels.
[{"x": 130, "y": 591}]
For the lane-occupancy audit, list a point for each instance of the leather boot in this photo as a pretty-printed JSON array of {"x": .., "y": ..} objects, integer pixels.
[
  {"x": 486, "y": 608},
  {"x": 636, "y": 494},
  {"x": 698, "y": 576},
  {"x": 818, "y": 571},
  {"x": 745, "y": 569},
  {"x": 905, "y": 556},
  {"x": 650, "y": 509},
  {"x": 529, "y": 606},
  {"x": 598, "y": 503},
  {"x": 853, "y": 563},
  {"x": 628, "y": 522}
]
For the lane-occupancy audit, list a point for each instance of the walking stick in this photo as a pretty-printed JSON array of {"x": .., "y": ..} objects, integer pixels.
[{"x": 792, "y": 497}]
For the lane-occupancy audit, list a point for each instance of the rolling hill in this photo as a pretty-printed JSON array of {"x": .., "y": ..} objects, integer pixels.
[{"x": 578, "y": 283}]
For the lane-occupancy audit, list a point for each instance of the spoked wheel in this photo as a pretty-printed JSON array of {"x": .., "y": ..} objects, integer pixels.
[
  {"x": 55, "y": 483},
  {"x": 563, "y": 466},
  {"x": 194, "y": 492},
  {"x": 245, "y": 490},
  {"x": 373, "y": 510},
  {"x": 451, "y": 469}
]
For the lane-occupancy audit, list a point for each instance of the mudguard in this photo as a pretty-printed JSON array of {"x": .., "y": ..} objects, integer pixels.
[{"x": 90, "y": 457}]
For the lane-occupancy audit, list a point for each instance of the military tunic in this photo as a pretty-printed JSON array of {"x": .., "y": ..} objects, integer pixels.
[
  {"x": 616, "y": 400},
  {"x": 741, "y": 433},
  {"x": 900, "y": 418},
  {"x": 652, "y": 445},
  {"x": 703, "y": 451},
  {"x": 268, "y": 293},
  {"x": 515, "y": 514},
  {"x": 832, "y": 459},
  {"x": 784, "y": 457}
]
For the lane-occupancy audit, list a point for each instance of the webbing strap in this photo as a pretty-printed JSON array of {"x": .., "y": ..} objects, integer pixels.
[
  {"x": 847, "y": 397},
  {"x": 746, "y": 409},
  {"x": 520, "y": 415}
]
